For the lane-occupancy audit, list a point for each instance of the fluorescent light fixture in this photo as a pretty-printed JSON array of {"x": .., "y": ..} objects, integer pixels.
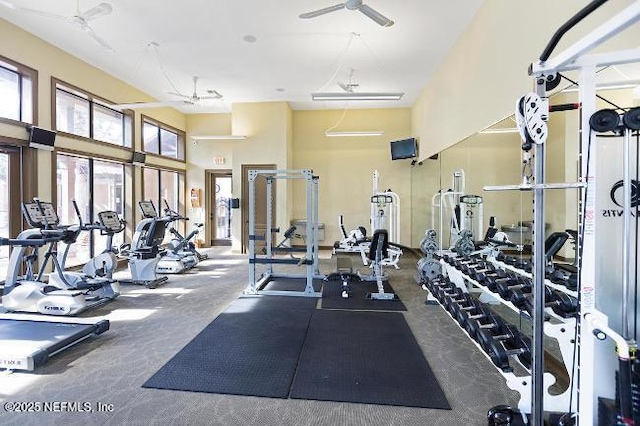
[
  {"x": 218, "y": 137},
  {"x": 499, "y": 130},
  {"x": 629, "y": 84},
  {"x": 352, "y": 134},
  {"x": 354, "y": 96}
]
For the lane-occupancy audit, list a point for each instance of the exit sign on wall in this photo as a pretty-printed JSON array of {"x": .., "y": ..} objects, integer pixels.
[{"x": 219, "y": 160}]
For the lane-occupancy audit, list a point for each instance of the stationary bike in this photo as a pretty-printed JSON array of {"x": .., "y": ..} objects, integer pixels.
[{"x": 180, "y": 244}]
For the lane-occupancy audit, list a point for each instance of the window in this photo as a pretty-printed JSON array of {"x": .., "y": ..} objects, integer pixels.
[
  {"x": 95, "y": 185},
  {"x": 161, "y": 185},
  {"x": 4, "y": 212},
  {"x": 162, "y": 140},
  {"x": 17, "y": 94},
  {"x": 81, "y": 114}
]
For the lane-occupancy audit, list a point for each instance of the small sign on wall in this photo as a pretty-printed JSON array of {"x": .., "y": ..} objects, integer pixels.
[{"x": 219, "y": 160}]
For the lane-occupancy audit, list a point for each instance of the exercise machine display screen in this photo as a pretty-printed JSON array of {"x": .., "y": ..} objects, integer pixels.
[
  {"x": 110, "y": 220},
  {"x": 33, "y": 213},
  {"x": 148, "y": 209}
]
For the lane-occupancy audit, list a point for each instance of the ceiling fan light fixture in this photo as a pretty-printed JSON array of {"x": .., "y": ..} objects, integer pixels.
[{"x": 355, "y": 96}]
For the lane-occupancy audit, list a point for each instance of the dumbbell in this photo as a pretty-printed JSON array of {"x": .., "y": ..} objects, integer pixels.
[
  {"x": 491, "y": 282},
  {"x": 567, "y": 279},
  {"x": 487, "y": 269},
  {"x": 488, "y": 323},
  {"x": 467, "y": 307},
  {"x": 520, "y": 299},
  {"x": 505, "y": 343},
  {"x": 506, "y": 287},
  {"x": 461, "y": 263},
  {"x": 510, "y": 260},
  {"x": 467, "y": 268},
  {"x": 562, "y": 304},
  {"x": 524, "y": 264},
  {"x": 481, "y": 277},
  {"x": 464, "y": 317},
  {"x": 448, "y": 289},
  {"x": 460, "y": 297}
]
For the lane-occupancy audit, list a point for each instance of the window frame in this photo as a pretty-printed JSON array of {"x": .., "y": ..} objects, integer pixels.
[
  {"x": 181, "y": 187},
  {"x": 31, "y": 73},
  {"x": 93, "y": 100},
  {"x": 91, "y": 158},
  {"x": 180, "y": 137}
]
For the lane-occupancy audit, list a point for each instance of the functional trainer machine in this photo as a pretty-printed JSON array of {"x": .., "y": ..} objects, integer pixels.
[
  {"x": 309, "y": 254},
  {"x": 604, "y": 291}
]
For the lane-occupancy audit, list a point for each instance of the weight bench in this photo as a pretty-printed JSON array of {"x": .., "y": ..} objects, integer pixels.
[{"x": 378, "y": 250}]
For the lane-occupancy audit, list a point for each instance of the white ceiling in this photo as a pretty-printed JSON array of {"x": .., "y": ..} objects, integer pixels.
[{"x": 290, "y": 59}]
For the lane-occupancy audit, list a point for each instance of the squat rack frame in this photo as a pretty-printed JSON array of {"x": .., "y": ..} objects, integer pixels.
[{"x": 310, "y": 259}]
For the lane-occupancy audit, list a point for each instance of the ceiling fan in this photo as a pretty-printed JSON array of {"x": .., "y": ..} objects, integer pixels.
[
  {"x": 192, "y": 99},
  {"x": 352, "y": 5},
  {"x": 80, "y": 19}
]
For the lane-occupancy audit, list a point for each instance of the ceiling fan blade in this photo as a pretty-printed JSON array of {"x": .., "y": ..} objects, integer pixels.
[
  {"x": 375, "y": 15},
  {"x": 216, "y": 96},
  {"x": 319, "y": 12},
  {"x": 97, "y": 38},
  {"x": 7, "y": 4},
  {"x": 43, "y": 14},
  {"x": 179, "y": 94},
  {"x": 137, "y": 105},
  {"x": 95, "y": 12}
]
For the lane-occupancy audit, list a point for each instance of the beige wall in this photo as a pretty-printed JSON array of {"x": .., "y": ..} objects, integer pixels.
[
  {"x": 346, "y": 165},
  {"x": 478, "y": 82}
]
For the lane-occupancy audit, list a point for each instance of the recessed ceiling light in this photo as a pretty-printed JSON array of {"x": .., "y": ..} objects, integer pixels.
[
  {"x": 280, "y": 89},
  {"x": 250, "y": 38}
]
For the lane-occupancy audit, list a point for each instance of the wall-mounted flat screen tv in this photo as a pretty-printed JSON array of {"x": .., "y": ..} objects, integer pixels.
[
  {"x": 405, "y": 148},
  {"x": 41, "y": 138}
]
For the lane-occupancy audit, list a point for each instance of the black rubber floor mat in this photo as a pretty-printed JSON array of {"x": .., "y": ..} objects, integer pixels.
[
  {"x": 292, "y": 284},
  {"x": 365, "y": 357},
  {"x": 252, "y": 348},
  {"x": 358, "y": 301}
]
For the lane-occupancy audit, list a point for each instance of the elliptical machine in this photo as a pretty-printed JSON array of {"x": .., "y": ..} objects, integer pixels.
[
  {"x": 144, "y": 251},
  {"x": 96, "y": 278},
  {"x": 29, "y": 293}
]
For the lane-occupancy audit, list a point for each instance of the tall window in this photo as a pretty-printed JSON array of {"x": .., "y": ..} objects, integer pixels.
[
  {"x": 160, "y": 139},
  {"x": 4, "y": 212},
  {"x": 82, "y": 114},
  {"x": 96, "y": 185},
  {"x": 17, "y": 94},
  {"x": 161, "y": 185}
]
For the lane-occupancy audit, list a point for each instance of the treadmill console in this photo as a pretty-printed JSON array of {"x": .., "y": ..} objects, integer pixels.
[
  {"x": 148, "y": 209},
  {"x": 111, "y": 221},
  {"x": 40, "y": 215}
]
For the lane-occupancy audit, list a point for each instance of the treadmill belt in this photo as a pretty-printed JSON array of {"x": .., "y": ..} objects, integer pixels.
[{"x": 365, "y": 357}]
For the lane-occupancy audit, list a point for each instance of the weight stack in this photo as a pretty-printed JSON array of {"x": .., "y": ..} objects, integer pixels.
[
  {"x": 607, "y": 412},
  {"x": 635, "y": 390}
]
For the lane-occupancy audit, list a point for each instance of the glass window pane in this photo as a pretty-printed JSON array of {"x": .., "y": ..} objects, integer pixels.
[
  {"x": 4, "y": 213},
  {"x": 107, "y": 125},
  {"x": 150, "y": 138},
  {"x": 72, "y": 114},
  {"x": 73, "y": 184},
  {"x": 9, "y": 94},
  {"x": 169, "y": 189},
  {"x": 27, "y": 100},
  {"x": 151, "y": 184},
  {"x": 108, "y": 194},
  {"x": 169, "y": 142}
]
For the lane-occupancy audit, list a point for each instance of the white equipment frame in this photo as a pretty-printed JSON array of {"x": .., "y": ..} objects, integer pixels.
[{"x": 310, "y": 259}]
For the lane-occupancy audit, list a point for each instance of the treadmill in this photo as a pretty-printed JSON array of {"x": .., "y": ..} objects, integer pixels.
[{"x": 28, "y": 341}]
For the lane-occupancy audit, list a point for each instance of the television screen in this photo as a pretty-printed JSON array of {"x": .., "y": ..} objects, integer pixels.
[
  {"x": 41, "y": 138},
  {"x": 406, "y": 148},
  {"x": 138, "y": 158}
]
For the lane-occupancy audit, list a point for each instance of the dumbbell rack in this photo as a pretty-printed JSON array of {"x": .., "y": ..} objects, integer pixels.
[{"x": 560, "y": 332}]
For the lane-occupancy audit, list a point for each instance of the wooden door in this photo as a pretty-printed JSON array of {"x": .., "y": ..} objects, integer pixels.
[{"x": 260, "y": 198}]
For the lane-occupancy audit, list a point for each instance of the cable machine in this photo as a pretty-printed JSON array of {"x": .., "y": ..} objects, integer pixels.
[{"x": 309, "y": 254}]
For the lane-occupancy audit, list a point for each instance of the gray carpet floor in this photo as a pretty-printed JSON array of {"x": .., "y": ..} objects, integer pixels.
[{"x": 148, "y": 327}]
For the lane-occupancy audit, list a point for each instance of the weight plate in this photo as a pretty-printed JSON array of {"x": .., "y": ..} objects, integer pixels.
[
  {"x": 605, "y": 120},
  {"x": 631, "y": 118}
]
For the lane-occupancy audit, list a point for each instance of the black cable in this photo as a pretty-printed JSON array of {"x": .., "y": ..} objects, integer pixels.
[
  {"x": 597, "y": 96},
  {"x": 635, "y": 295},
  {"x": 555, "y": 39}
]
